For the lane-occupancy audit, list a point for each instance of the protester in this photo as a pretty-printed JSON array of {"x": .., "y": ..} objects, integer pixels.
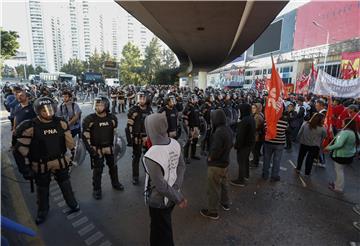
[
  {"x": 259, "y": 133},
  {"x": 218, "y": 161},
  {"x": 245, "y": 142},
  {"x": 273, "y": 149},
  {"x": 165, "y": 168},
  {"x": 311, "y": 136},
  {"x": 343, "y": 152}
]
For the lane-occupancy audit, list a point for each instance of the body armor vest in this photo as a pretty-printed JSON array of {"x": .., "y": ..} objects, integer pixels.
[
  {"x": 171, "y": 116},
  {"x": 139, "y": 122},
  {"x": 102, "y": 132},
  {"x": 48, "y": 142}
]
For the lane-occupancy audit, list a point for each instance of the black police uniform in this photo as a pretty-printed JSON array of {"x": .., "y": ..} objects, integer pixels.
[
  {"x": 136, "y": 126},
  {"x": 121, "y": 101},
  {"x": 98, "y": 137},
  {"x": 45, "y": 145},
  {"x": 206, "y": 110},
  {"x": 113, "y": 101},
  {"x": 172, "y": 120},
  {"x": 191, "y": 114}
]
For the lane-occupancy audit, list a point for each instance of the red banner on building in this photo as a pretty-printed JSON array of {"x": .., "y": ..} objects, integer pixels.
[{"x": 350, "y": 65}]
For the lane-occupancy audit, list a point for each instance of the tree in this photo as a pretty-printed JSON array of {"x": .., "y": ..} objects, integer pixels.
[
  {"x": 73, "y": 67},
  {"x": 152, "y": 61},
  {"x": 131, "y": 65},
  {"x": 20, "y": 70},
  {"x": 9, "y": 44},
  {"x": 168, "y": 59},
  {"x": 39, "y": 70},
  {"x": 96, "y": 62}
]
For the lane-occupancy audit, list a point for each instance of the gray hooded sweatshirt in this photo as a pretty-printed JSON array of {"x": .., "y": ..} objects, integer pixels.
[{"x": 156, "y": 128}]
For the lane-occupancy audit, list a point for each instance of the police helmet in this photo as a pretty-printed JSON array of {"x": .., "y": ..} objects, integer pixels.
[
  {"x": 170, "y": 98},
  {"x": 141, "y": 97},
  {"x": 102, "y": 100},
  {"x": 194, "y": 99},
  {"x": 45, "y": 103}
]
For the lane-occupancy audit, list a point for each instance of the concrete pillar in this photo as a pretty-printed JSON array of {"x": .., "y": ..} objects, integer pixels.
[
  {"x": 202, "y": 84},
  {"x": 190, "y": 82}
]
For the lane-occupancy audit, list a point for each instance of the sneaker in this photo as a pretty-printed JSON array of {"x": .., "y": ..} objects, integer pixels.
[
  {"x": 332, "y": 188},
  {"x": 207, "y": 214},
  {"x": 321, "y": 165},
  {"x": 275, "y": 179},
  {"x": 237, "y": 183},
  {"x": 225, "y": 207},
  {"x": 356, "y": 224},
  {"x": 135, "y": 180},
  {"x": 356, "y": 209},
  {"x": 118, "y": 186},
  {"x": 41, "y": 217},
  {"x": 73, "y": 210},
  {"x": 97, "y": 194}
]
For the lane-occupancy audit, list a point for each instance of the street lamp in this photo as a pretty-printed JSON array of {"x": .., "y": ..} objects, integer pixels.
[{"x": 327, "y": 40}]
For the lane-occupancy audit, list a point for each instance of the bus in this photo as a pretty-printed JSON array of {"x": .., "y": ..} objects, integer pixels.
[{"x": 90, "y": 78}]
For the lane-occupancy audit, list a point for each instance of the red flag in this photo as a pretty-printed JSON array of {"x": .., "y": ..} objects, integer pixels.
[
  {"x": 273, "y": 107},
  {"x": 302, "y": 85},
  {"x": 328, "y": 124},
  {"x": 312, "y": 79}
]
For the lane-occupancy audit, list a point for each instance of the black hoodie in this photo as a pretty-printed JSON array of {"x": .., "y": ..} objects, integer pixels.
[
  {"x": 221, "y": 140},
  {"x": 245, "y": 133}
]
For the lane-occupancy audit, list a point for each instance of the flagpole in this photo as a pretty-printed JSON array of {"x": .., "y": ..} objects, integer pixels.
[{"x": 343, "y": 129}]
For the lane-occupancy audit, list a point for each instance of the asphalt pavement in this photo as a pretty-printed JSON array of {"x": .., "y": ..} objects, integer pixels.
[{"x": 294, "y": 211}]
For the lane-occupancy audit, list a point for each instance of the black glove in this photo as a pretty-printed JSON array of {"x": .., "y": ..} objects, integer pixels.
[{"x": 94, "y": 155}]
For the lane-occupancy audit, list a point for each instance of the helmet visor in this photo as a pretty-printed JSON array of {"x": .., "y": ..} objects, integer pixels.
[
  {"x": 141, "y": 99},
  {"x": 172, "y": 101},
  {"x": 99, "y": 106},
  {"x": 47, "y": 110}
]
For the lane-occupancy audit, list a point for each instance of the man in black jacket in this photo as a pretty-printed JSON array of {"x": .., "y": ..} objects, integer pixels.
[
  {"x": 218, "y": 162},
  {"x": 245, "y": 141}
]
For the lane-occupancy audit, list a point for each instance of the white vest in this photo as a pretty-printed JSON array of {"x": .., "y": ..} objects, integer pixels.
[{"x": 167, "y": 156}]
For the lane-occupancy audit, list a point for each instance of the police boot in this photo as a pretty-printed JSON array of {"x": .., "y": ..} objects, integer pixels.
[
  {"x": 186, "y": 152},
  {"x": 97, "y": 172},
  {"x": 69, "y": 197},
  {"x": 193, "y": 149},
  {"x": 113, "y": 171},
  {"x": 43, "y": 204}
]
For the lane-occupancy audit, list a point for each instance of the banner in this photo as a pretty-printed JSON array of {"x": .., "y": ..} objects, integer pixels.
[
  {"x": 312, "y": 79},
  {"x": 289, "y": 88},
  {"x": 326, "y": 85},
  {"x": 350, "y": 65},
  {"x": 302, "y": 85}
]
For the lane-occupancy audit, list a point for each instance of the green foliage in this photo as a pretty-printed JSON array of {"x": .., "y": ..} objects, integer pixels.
[
  {"x": 20, "y": 70},
  {"x": 9, "y": 44},
  {"x": 131, "y": 65},
  {"x": 74, "y": 67},
  {"x": 39, "y": 70},
  {"x": 152, "y": 61}
]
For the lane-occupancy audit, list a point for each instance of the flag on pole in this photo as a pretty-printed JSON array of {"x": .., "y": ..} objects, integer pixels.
[
  {"x": 312, "y": 79},
  {"x": 328, "y": 124},
  {"x": 274, "y": 103}
]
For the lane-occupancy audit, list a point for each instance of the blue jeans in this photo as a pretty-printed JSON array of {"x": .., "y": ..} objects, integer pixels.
[{"x": 274, "y": 152}]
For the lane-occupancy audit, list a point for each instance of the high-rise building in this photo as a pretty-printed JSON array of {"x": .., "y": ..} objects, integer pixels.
[
  {"x": 57, "y": 41},
  {"x": 86, "y": 26},
  {"x": 75, "y": 45},
  {"x": 37, "y": 34},
  {"x": 131, "y": 28},
  {"x": 115, "y": 51},
  {"x": 143, "y": 38},
  {"x": 101, "y": 26}
]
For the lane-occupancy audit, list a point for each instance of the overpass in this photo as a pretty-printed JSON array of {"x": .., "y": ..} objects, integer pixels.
[{"x": 205, "y": 34}]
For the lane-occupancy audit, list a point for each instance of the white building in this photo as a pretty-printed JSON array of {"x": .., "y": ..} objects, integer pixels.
[
  {"x": 37, "y": 34},
  {"x": 75, "y": 45},
  {"x": 57, "y": 41}
]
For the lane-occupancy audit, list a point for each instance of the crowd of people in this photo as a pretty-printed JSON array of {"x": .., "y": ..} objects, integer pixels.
[{"x": 217, "y": 120}]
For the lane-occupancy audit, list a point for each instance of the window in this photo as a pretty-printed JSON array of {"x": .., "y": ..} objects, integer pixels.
[
  {"x": 264, "y": 71},
  {"x": 269, "y": 71},
  {"x": 248, "y": 73},
  {"x": 257, "y": 72},
  {"x": 284, "y": 69}
]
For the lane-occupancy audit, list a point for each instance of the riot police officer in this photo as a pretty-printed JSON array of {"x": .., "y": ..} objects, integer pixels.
[
  {"x": 40, "y": 152},
  {"x": 113, "y": 96},
  {"x": 171, "y": 115},
  {"x": 191, "y": 118},
  {"x": 98, "y": 136},
  {"x": 205, "y": 110},
  {"x": 121, "y": 100},
  {"x": 136, "y": 127}
]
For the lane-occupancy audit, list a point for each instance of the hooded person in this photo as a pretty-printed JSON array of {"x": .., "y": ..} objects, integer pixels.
[
  {"x": 164, "y": 167},
  {"x": 218, "y": 162},
  {"x": 245, "y": 141}
]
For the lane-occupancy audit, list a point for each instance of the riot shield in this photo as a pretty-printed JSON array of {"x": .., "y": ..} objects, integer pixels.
[{"x": 119, "y": 147}]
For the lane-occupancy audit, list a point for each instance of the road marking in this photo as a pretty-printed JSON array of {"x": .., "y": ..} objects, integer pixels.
[
  {"x": 106, "y": 243},
  {"x": 61, "y": 204},
  {"x": 95, "y": 237},
  {"x": 86, "y": 229},
  {"x": 74, "y": 215},
  {"x": 79, "y": 222},
  {"x": 58, "y": 198},
  {"x": 292, "y": 163},
  {"x": 302, "y": 181}
]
